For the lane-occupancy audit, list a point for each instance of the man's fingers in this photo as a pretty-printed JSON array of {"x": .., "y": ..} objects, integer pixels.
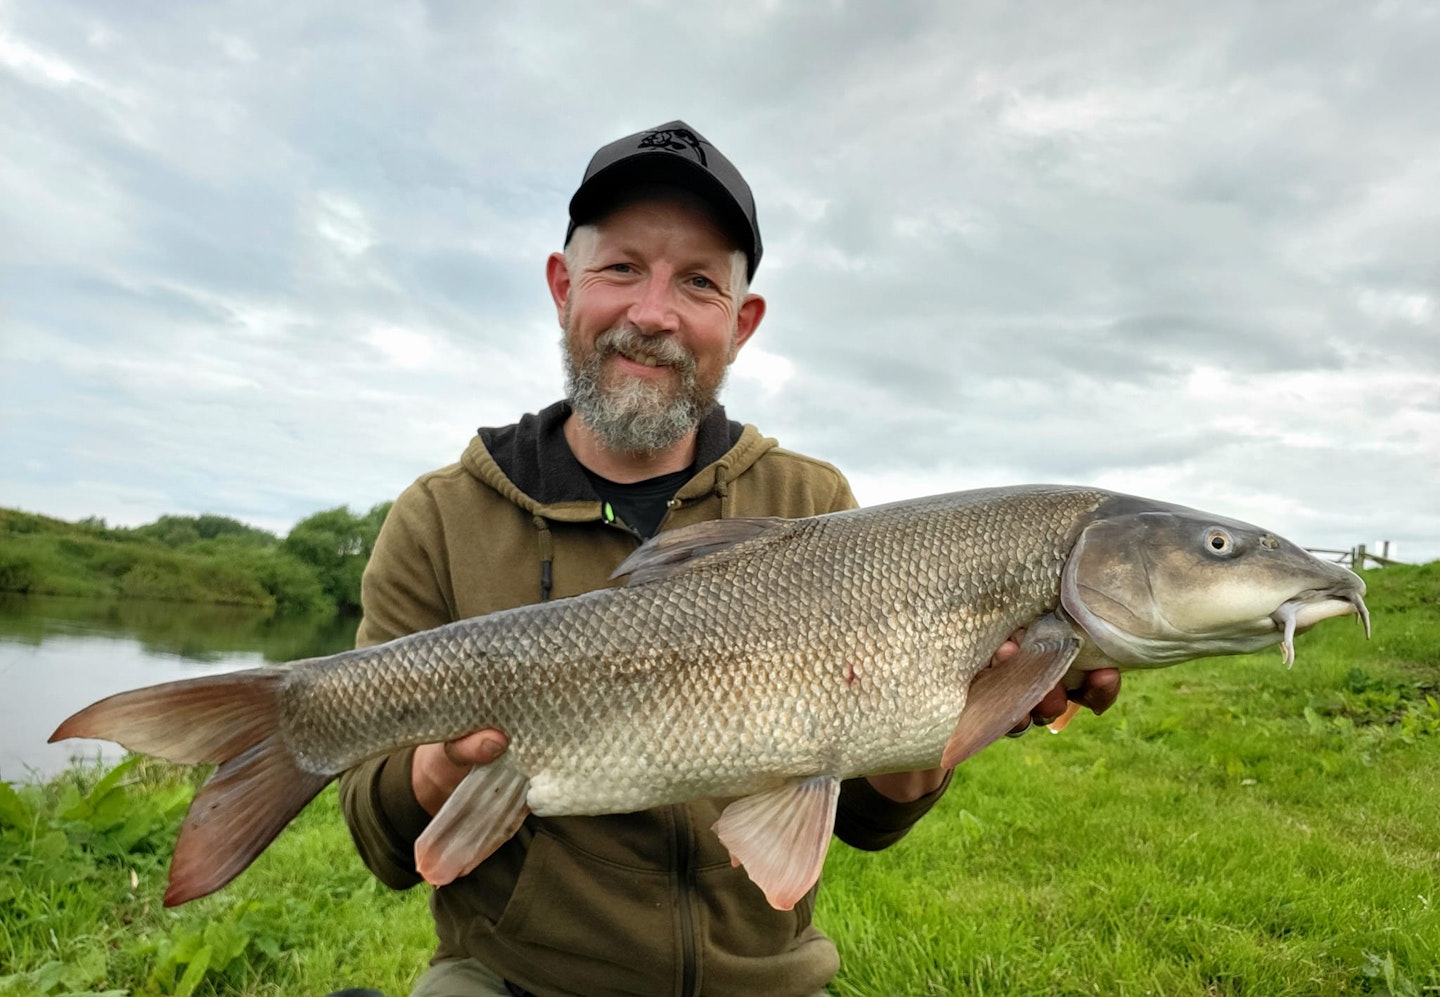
[
  {"x": 1099, "y": 691},
  {"x": 1058, "y": 708},
  {"x": 1009, "y": 649},
  {"x": 1004, "y": 652},
  {"x": 1051, "y": 706},
  {"x": 479, "y": 748},
  {"x": 1043, "y": 712}
]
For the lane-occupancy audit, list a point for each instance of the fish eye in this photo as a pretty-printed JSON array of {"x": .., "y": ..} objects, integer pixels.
[{"x": 1219, "y": 542}]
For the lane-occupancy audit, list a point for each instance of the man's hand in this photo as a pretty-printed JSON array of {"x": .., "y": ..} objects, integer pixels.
[
  {"x": 438, "y": 768},
  {"x": 1098, "y": 692}
]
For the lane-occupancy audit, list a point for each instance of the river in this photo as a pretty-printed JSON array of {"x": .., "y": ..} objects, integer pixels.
[{"x": 58, "y": 655}]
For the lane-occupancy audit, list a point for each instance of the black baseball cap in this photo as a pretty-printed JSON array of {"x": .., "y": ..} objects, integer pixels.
[{"x": 676, "y": 154}]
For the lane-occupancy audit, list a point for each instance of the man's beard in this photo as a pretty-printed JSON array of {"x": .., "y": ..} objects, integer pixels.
[{"x": 637, "y": 416}]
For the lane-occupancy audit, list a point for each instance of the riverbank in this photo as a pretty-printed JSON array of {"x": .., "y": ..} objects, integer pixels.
[{"x": 316, "y": 568}]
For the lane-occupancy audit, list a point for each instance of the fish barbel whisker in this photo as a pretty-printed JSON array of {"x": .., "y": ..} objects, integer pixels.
[{"x": 1285, "y": 616}]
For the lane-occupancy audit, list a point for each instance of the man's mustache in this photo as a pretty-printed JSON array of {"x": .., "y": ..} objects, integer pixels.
[{"x": 632, "y": 343}]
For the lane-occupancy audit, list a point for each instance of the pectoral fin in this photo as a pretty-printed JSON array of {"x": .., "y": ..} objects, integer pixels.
[
  {"x": 781, "y": 836},
  {"x": 485, "y": 810},
  {"x": 1002, "y": 694}
]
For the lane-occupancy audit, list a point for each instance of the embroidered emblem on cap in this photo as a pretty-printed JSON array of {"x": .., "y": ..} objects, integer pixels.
[{"x": 675, "y": 140}]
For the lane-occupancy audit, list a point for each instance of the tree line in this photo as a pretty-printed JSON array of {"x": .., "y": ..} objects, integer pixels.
[{"x": 314, "y": 568}]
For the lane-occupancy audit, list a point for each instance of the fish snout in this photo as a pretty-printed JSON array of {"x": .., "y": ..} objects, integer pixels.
[{"x": 1303, "y": 611}]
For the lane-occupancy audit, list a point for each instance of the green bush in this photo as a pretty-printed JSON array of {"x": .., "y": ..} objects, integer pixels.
[
  {"x": 337, "y": 543},
  {"x": 17, "y": 569},
  {"x": 204, "y": 558}
]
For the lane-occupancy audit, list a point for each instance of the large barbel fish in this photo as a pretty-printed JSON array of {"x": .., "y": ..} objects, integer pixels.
[{"x": 762, "y": 659}]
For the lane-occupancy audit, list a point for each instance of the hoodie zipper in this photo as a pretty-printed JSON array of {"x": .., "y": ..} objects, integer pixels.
[
  {"x": 684, "y": 861},
  {"x": 608, "y": 517}
]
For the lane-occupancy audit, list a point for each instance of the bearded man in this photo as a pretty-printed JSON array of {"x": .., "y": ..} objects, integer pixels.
[{"x": 652, "y": 292}]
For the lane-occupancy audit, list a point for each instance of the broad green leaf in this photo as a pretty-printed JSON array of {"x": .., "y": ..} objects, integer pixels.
[
  {"x": 112, "y": 778},
  {"x": 194, "y": 973},
  {"x": 84, "y": 967},
  {"x": 14, "y": 811}
]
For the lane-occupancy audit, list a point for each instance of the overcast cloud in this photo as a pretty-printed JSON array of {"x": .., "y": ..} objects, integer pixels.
[{"x": 260, "y": 259}]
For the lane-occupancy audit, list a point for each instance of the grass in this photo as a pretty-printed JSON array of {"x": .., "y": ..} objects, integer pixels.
[
  {"x": 1251, "y": 851},
  {"x": 82, "y": 869},
  {"x": 1229, "y": 827}
]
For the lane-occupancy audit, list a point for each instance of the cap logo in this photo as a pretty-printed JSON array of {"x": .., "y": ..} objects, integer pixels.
[{"x": 675, "y": 140}]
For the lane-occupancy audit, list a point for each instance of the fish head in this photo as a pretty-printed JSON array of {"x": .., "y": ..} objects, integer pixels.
[{"x": 1153, "y": 584}]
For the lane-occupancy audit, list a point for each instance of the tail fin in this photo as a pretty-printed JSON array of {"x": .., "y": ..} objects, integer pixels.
[{"x": 233, "y": 720}]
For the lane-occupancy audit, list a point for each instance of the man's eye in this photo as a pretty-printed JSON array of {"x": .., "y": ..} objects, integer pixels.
[
  {"x": 704, "y": 283},
  {"x": 620, "y": 267}
]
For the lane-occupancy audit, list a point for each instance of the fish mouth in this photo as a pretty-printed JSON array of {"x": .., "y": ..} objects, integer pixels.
[{"x": 1307, "y": 609}]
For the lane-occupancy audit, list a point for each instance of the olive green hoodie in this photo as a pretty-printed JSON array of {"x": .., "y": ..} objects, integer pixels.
[{"x": 642, "y": 903}]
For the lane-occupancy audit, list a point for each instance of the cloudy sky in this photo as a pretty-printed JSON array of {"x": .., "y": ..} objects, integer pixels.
[{"x": 262, "y": 258}]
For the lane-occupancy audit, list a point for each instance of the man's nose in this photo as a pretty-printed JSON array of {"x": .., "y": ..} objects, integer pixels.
[{"x": 653, "y": 311}]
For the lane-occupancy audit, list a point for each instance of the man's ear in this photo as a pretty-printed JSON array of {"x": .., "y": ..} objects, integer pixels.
[
  {"x": 557, "y": 275},
  {"x": 747, "y": 320}
]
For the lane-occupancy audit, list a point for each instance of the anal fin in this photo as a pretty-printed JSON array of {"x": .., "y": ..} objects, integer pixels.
[
  {"x": 1002, "y": 694},
  {"x": 780, "y": 836},
  {"x": 485, "y": 810}
]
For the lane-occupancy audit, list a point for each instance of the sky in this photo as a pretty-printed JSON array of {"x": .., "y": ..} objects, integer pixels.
[{"x": 261, "y": 259}]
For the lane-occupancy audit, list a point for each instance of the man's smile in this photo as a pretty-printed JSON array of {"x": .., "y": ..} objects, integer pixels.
[{"x": 643, "y": 356}]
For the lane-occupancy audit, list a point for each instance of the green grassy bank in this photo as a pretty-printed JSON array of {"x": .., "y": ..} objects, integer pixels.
[
  {"x": 205, "y": 559},
  {"x": 1229, "y": 827}
]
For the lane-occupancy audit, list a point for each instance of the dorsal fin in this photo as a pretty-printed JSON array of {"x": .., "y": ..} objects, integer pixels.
[{"x": 665, "y": 554}]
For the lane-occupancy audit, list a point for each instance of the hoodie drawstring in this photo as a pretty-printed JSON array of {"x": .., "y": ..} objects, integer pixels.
[
  {"x": 722, "y": 489},
  {"x": 547, "y": 557}
]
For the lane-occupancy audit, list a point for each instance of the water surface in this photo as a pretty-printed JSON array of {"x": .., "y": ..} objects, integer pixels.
[{"x": 58, "y": 655}]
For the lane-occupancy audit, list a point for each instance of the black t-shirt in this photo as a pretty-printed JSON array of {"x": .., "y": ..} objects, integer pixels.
[{"x": 639, "y": 505}]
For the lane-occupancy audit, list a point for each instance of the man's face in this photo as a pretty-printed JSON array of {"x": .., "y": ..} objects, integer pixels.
[{"x": 652, "y": 319}]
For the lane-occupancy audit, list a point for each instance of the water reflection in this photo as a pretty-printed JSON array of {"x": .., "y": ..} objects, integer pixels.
[{"x": 58, "y": 655}]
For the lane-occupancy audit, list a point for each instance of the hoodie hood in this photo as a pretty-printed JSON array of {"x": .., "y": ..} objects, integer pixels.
[{"x": 531, "y": 464}]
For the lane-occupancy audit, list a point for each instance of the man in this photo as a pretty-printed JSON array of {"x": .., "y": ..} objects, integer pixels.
[{"x": 652, "y": 293}]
